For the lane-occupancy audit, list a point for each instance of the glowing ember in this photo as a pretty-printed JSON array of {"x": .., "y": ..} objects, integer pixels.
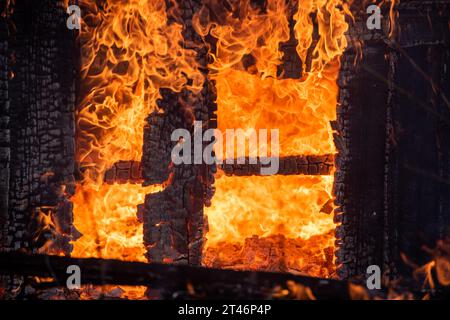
[{"x": 262, "y": 227}]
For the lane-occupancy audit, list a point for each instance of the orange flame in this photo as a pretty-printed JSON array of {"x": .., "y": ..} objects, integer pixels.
[
  {"x": 393, "y": 16},
  {"x": 254, "y": 97},
  {"x": 129, "y": 52}
]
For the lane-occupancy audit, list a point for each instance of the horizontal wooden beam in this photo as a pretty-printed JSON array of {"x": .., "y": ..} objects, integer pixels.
[
  {"x": 124, "y": 172},
  {"x": 288, "y": 165},
  {"x": 130, "y": 171},
  {"x": 168, "y": 280}
]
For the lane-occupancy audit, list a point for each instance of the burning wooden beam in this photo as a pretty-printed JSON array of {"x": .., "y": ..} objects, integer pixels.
[
  {"x": 130, "y": 171},
  {"x": 173, "y": 219},
  {"x": 290, "y": 165},
  {"x": 171, "y": 281},
  {"x": 124, "y": 172}
]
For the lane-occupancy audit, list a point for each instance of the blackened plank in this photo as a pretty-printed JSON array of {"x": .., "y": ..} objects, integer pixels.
[
  {"x": 42, "y": 120},
  {"x": 172, "y": 281}
]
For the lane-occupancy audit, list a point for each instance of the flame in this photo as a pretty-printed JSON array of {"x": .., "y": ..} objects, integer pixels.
[
  {"x": 256, "y": 203},
  {"x": 253, "y": 212},
  {"x": 293, "y": 291},
  {"x": 263, "y": 227},
  {"x": 110, "y": 211},
  {"x": 302, "y": 115},
  {"x": 393, "y": 16},
  {"x": 129, "y": 52},
  {"x": 440, "y": 264},
  {"x": 89, "y": 292}
]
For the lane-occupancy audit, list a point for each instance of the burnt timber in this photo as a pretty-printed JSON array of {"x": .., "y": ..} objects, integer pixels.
[
  {"x": 171, "y": 281},
  {"x": 393, "y": 139},
  {"x": 131, "y": 171},
  {"x": 174, "y": 222},
  {"x": 124, "y": 172},
  {"x": 40, "y": 126},
  {"x": 37, "y": 127},
  {"x": 191, "y": 282},
  {"x": 392, "y": 133},
  {"x": 289, "y": 165}
]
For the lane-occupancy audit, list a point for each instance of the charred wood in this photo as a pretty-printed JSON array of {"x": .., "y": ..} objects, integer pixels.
[
  {"x": 124, "y": 172},
  {"x": 418, "y": 198},
  {"x": 130, "y": 171},
  {"x": 291, "y": 66},
  {"x": 172, "y": 281},
  {"x": 289, "y": 165},
  {"x": 174, "y": 224},
  {"x": 42, "y": 96},
  {"x": 359, "y": 178},
  {"x": 411, "y": 27},
  {"x": 5, "y": 143},
  {"x": 383, "y": 207}
]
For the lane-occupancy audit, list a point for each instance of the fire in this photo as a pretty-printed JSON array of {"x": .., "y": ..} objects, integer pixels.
[
  {"x": 282, "y": 212},
  {"x": 440, "y": 264},
  {"x": 393, "y": 16},
  {"x": 129, "y": 52},
  {"x": 110, "y": 210},
  {"x": 302, "y": 116},
  {"x": 256, "y": 210},
  {"x": 263, "y": 227}
]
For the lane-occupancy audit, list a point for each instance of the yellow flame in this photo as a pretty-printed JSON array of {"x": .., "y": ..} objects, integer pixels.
[
  {"x": 129, "y": 52},
  {"x": 252, "y": 96}
]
